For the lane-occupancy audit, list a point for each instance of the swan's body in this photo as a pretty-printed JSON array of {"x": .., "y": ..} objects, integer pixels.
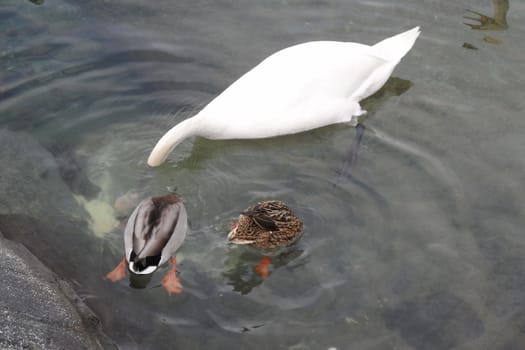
[
  {"x": 296, "y": 89},
  {"x": 155, "y": 230}
]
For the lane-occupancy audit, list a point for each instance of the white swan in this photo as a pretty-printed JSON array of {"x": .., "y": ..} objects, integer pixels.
[{"x": 299, "y": 88}]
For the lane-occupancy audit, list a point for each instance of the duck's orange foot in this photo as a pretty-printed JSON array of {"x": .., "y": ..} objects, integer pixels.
[
  {"x": 118, "y": 272},
  {"x": 262, "y": 268},
  {"x": 171, "y": 282}
]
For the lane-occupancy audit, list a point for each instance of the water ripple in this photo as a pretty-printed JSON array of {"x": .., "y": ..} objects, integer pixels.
[{"x": 108, "y": 61}]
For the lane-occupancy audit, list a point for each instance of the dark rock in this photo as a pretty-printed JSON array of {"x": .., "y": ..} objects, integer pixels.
[
  {"x": 51, "y": 240},
  {"x": 71, "y": 168},
  {"x": 30, "y": 181},
  {"x": 437, "y": 321},
  {"x": 39, "y": 310}
]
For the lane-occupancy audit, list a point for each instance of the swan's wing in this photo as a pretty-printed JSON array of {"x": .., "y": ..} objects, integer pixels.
[
  {"x": 296, "y": 89},
  {"x": 395, "y": 47},
  {"x": 391, "y": 50},
  {"x": 376, "y": 78}
]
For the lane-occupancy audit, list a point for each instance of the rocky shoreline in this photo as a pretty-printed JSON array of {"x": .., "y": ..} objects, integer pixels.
[
  {"x": 39, "y": 309},
  {"x": 40, "y": 224}
]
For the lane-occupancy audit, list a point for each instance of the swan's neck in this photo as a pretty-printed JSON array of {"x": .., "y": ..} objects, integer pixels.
[{"x": 171, "y": 139}]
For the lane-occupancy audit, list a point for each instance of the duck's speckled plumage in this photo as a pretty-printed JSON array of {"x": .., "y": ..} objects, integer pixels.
[{"x": 267, "y": 225}]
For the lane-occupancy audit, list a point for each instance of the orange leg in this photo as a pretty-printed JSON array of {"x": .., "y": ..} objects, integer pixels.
[
  {"x": 171, "y": 282},
  {"x": 262, "y": 267},
  {"x": 118, "y": 272}
]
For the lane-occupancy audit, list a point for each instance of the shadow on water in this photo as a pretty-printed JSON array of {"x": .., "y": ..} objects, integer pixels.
[
  {"x": 240, "y": 265},
  {"x": 393, "y": 87}
]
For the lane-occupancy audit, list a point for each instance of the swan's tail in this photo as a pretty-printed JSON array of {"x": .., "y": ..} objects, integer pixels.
[{"x": 394, "y": 48}]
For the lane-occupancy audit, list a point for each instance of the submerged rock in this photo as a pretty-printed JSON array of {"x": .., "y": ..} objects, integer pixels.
[
  {"x": 438, "y": 321},
  {"x": 71, "y": 167},
  {"x": 38, "y": 211},
  {"x": 30, "y": 180},
  {"x": 39, "y": 310},
  {"x": 125, "y": 204},
  {"x": 102, "y": 215}
]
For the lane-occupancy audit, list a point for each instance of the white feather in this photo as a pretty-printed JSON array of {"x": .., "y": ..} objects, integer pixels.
[{"x": 299, "y": 88}]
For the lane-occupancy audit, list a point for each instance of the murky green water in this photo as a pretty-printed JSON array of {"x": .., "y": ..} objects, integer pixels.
[{"x": 420, "y": 247}]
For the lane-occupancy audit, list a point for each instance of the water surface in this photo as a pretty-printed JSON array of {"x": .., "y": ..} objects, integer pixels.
[{"x": 419, "y": 245}]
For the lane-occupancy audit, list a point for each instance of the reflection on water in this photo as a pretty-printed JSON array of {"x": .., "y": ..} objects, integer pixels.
[
  {"x": 497, "y": 22},
  {"x": 393, "y": 87},
  {"x": 443, "y": 310},
  {"x": 419, "y": 246},
  {"x": 241, "y": 262}
]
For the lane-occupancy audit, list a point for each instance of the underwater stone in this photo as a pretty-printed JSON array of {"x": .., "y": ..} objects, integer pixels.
[
  {"x": 30, "y": 179},
  {"x": 39, "y": 310},
  {"x": 437, "y": 321}
]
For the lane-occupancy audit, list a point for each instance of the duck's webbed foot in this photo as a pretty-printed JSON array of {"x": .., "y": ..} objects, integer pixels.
[
  {"x": 118, "y": 272},
  {"x": 171, "y": 282},
  {"x": 262, "y": 268},
  {"x": 485, "y": 22}
]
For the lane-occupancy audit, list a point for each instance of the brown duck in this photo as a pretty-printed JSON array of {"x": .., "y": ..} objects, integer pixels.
[{"x": 266, "y": 225}]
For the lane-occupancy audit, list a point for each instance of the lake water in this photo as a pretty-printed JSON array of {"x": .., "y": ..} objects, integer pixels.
[{"x": 420, "y": 244}]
